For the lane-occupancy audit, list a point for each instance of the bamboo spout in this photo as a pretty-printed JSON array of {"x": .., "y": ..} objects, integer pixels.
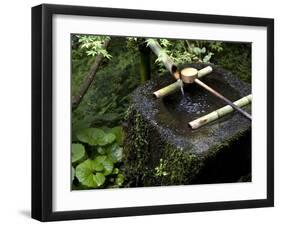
[{"x": 167, "y": 61}]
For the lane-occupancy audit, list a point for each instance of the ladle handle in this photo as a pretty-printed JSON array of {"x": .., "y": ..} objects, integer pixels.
[{"x": 217, "y": 94}]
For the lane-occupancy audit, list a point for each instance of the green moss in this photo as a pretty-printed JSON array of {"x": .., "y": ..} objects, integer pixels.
[
  {"x": 136, "y": 154},
  {"x": 150, "y": 161},
  {"x": 236, "y": 58},
  {"x": 180, "y": 166},
  {"x": 145, "y": 167}
]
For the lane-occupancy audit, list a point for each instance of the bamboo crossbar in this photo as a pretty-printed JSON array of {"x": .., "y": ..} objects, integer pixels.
[
  {"x": 217, "y": 94},
  {"x": 197, "y": 123},
  {"x": 179, "y": 83}
]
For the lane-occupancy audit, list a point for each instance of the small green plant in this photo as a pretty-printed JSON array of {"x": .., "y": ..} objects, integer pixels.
[
  {"x": 160, "y": 170},
  {"x": 96, "y": 158}
]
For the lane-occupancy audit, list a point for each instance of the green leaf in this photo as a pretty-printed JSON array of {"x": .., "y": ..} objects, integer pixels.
[
  {"x": 84, "y": 173},
  {"x": 207, "y": 58},
  {"x": 77, "y": 152},
  {"x": 196, "y": 50},
  {"x": 114, "y": 152},
  {"x": 101, "y": 150},
  {"x": 203, "y": 50},
  {"x": 95, "y": 136},
  {"x": 165, "y": 43},
  {"x": 107, "y": 164},
  {"x": 150, "y": 41},
  {"x": 91, "y": 173},
  {"x": 99, "y": 178},
  {"x": 97, "y": 165},
  {"x": 107, "y": 139},
  {"x": 72, "y": 173},
  {"x": 115, "y": 171},
  {"x": 90, "y": 135},
  {"x": 119, "y": 134},
  {"x": 119, "y": 179}
]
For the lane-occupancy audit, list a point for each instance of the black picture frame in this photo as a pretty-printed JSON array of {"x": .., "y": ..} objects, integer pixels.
[{"x": 42, "y": 111}]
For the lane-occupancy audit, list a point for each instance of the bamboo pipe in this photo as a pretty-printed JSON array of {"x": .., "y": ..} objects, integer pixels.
[
  {"x": 190, "y": 75},
  {"x": 167, "y": 61},
  {"x": 178, "y": 85},
  {"x": 197, "y": 123}
]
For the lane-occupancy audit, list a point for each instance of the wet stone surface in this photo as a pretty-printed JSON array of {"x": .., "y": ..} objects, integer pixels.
[{"x": 167, "y": 119}]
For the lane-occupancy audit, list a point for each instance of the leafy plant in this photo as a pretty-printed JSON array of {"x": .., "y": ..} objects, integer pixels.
[
  {"x": 106, "y": 101},
  {"x": 95, "y": 136},
  {"x": 77, "y": 152},
  {"x": 186, "y": 51},
  {"x": 93, "y": 45},
  {"x": 92, "y": 173},
  {"x": 160, "y": 170},
  {"x": 96, "y": 160}
]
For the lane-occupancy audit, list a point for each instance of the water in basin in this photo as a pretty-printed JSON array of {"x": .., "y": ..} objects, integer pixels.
[{"x": 177, "y": 110}]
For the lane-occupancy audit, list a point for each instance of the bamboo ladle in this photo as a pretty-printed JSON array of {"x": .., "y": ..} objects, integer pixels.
[
  {"x": 190, "y": 75},
  {"x": 179, "y": 83}
]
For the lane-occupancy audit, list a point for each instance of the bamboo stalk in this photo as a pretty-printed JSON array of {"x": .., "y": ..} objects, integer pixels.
[
  {"x": 145, "y": 67},
  {"x": 168, "y": 89},
  {"x": 167, "y": 61},
  {"x": 195, "y": 124},
  {"x": 217, "y": 94}
]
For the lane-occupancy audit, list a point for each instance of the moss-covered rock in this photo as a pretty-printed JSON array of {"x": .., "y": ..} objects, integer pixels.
[{"x": 160, "y": 148}]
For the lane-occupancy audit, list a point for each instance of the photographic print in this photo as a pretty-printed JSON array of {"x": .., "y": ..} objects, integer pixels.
[
  {"x": 158, "y": 112},
  {"x": 139, "y": 112}
]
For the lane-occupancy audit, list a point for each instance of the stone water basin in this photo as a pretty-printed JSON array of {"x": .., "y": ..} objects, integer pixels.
[{"x": 158, "y": 134}]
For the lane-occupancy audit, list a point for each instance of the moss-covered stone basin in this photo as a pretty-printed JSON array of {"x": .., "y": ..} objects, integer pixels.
[{"x": 161, "y": 149}]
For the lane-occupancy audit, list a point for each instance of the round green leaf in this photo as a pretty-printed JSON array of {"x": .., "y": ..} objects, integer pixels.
[
  {"x": 95, "y": 136},
  {"x": 77, "y": 152},
  {"x": 90, "y": 135},
  {"x": 106, "y": 162},
  {"x": 85, "y": 172},
  {"x": 91, "y": 173}
]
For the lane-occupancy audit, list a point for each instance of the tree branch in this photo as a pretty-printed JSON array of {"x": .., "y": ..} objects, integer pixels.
[{"x": 76, "y": 100}]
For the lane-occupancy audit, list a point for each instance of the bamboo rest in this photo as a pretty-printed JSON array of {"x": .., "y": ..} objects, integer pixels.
[{"x": 189, "y": 75}]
